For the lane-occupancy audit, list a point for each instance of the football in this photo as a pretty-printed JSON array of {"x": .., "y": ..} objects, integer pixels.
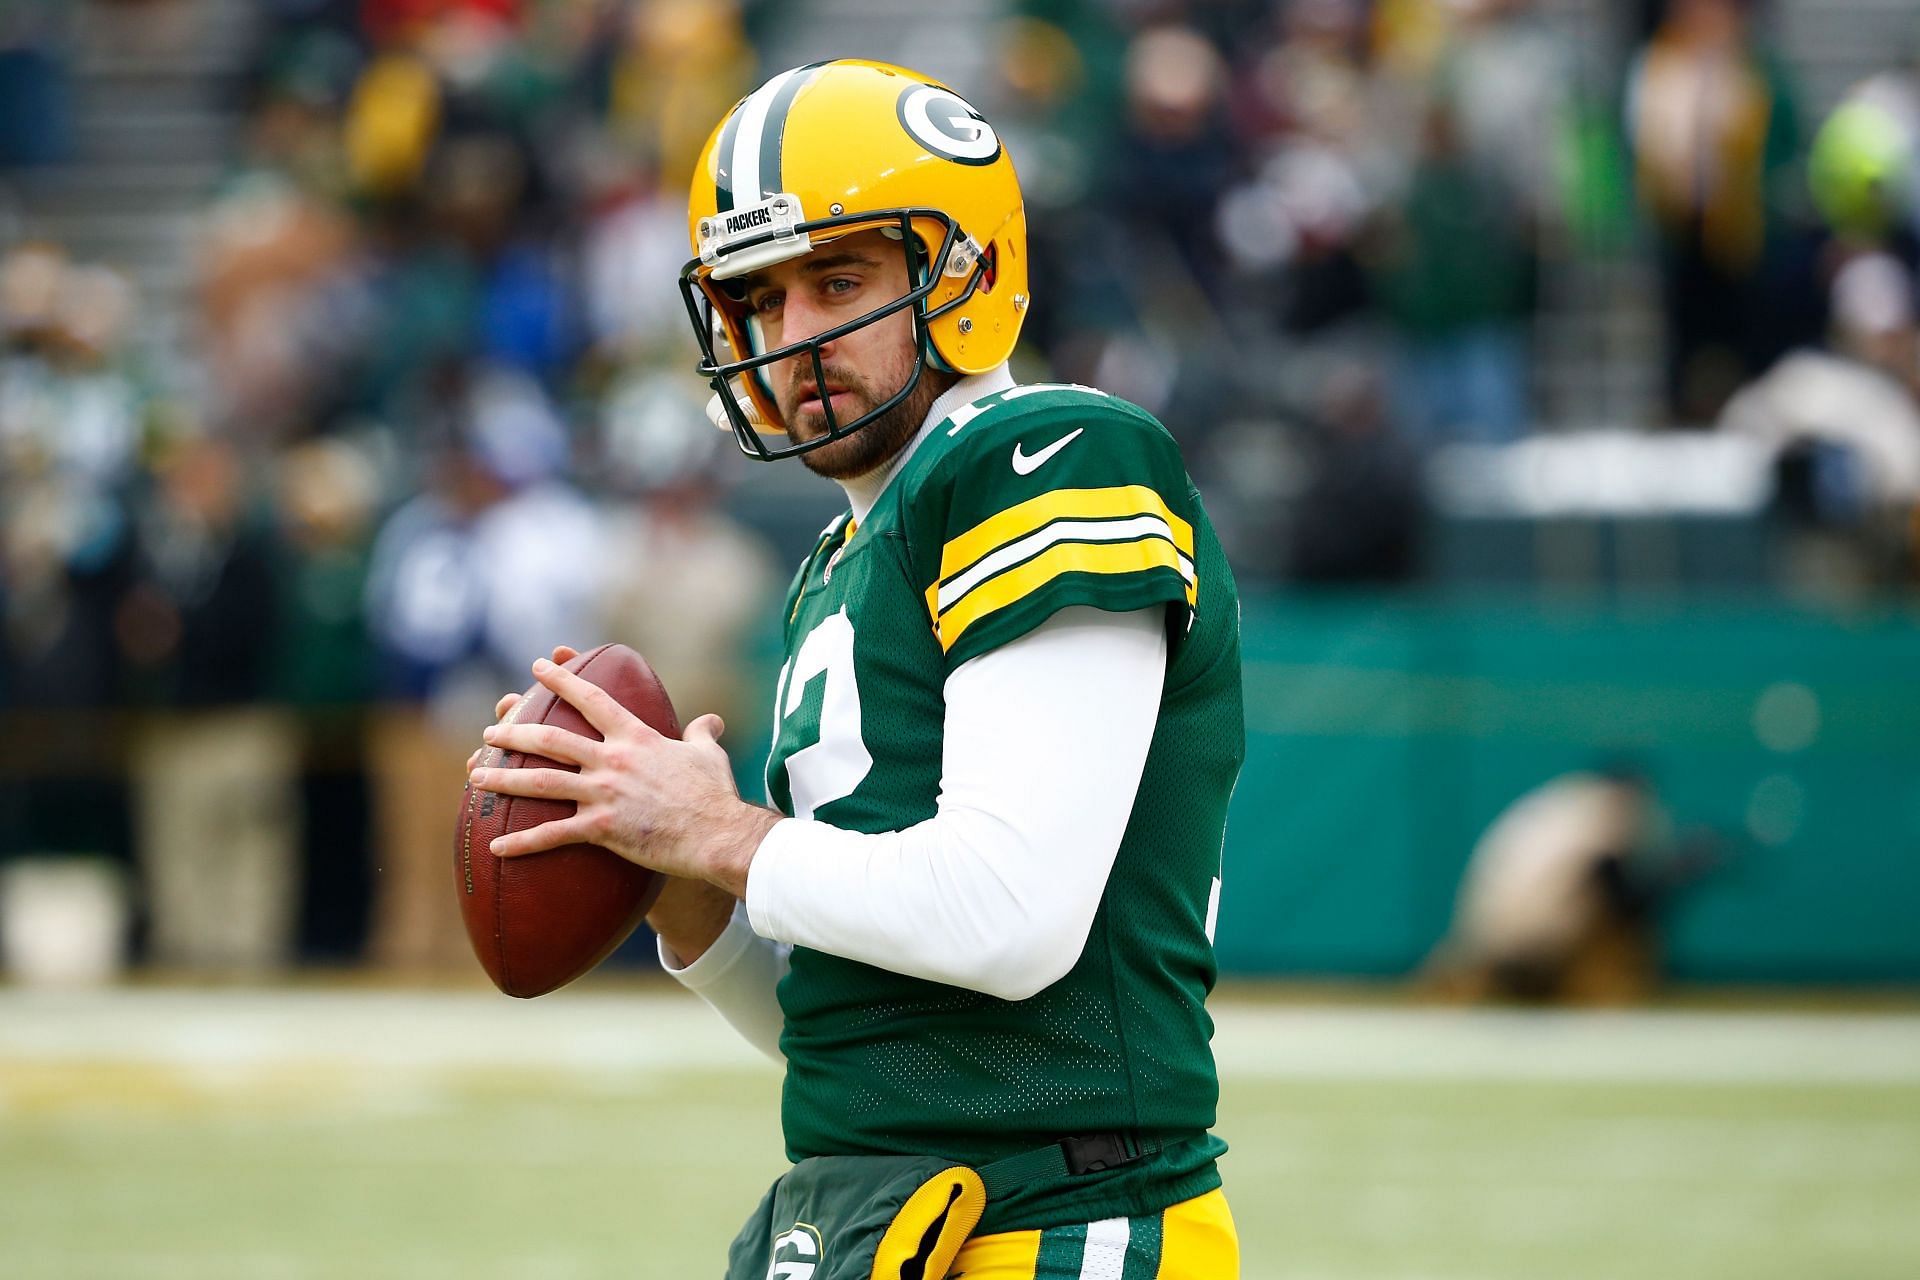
[{"x": 541, "y": 920}]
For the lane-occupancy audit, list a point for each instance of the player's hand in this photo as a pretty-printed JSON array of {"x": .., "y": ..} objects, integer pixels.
[
  {"x": 508, "y": 701},
  {"x": 665, "y": 803}
]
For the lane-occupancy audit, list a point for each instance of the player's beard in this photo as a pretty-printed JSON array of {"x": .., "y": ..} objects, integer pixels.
[{"x": 875, "y": 444}]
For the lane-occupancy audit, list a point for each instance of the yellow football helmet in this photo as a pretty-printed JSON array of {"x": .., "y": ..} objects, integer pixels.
[{"x": 826, "y": 150}]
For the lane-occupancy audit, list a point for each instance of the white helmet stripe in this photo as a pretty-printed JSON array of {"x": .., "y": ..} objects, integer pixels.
[{"x": 744, "y": 163}]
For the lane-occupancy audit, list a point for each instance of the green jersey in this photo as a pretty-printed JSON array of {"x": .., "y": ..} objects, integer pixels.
[{"x": 990, "y": 527}]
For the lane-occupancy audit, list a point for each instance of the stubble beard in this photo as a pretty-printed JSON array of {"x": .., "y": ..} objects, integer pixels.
[{"x": 875, "y": 444}]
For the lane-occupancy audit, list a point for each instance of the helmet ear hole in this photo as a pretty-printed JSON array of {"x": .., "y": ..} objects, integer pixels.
[{"x": 989, "y": 266}]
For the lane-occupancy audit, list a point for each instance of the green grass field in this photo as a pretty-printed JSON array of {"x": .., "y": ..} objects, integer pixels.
[{"x": 265, "y": 1135}]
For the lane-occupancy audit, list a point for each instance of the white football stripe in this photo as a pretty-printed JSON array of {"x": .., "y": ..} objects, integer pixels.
[
  {"x": 1060, "y": 531},
  {"x": 1106, "y": 1255},
  {"x": 745, "y": 169}
]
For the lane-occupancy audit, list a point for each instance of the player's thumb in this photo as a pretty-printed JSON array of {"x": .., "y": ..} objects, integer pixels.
[{"x": 705, "y": 731}]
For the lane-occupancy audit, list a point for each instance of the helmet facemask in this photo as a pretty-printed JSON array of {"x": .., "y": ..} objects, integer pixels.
[{"x": 717, "y": 308}]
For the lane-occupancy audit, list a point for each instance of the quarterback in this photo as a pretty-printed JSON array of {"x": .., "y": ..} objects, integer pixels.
[{"x": 976, "y": 923}]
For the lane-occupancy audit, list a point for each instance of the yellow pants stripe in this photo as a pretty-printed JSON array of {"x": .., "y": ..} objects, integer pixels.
[
  {"x": 1197, "y": 1240},
  {"x": 1193, "y": 1240}
]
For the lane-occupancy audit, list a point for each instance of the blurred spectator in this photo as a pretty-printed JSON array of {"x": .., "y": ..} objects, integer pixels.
[
  {"x": 687, "y": 586},
  {"x": 678, "y": 66},
  {"x": 1710, "y": 113},
  {"x": 167, "y": 28},
  {"x": 1864, "y": 165},
  {"x": 69, "y": 403},
  {"x": 298, "y": 94},
  {"x": 214, "y": 765},
  {"x": 637, "y": 239},
  {"x": 524, "y": 316},
  {"x": 327, "y": 494},
  {"x": 36, "y": 89},
  {"x": 280, "y": 307},
  {"x": 1358, "y": 515},
  {"x": 1559, "y": 900},
  {"x": 1058, "y": 106},
  {"x": 498, "y": 562},
  {"x": 1177, "y": 152},
  {"x": 390, "y": 124},
  {"x": 1507, "y": 78},
  {"x": 72, "y": 420},
  {"x": 1453, "y": 273},
  {"x": 1322, "y": 157},
  {"x": 328, "y": 491},
  {"x": 1846, "y": 425}
]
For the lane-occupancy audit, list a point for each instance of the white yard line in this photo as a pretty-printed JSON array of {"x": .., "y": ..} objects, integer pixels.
[
  {"x": 1624, "y": 1046},
  {"x": 662, "y": 1029}
]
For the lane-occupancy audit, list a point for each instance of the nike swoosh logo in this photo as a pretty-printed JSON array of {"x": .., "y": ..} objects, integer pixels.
[{"x": 1026, "y": 464}]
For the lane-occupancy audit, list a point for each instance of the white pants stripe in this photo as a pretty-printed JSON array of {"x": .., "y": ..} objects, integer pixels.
[{"x": 1106, "y": 1256}]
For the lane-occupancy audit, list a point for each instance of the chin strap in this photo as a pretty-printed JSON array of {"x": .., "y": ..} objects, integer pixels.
[{"x": 717, "y": 412}]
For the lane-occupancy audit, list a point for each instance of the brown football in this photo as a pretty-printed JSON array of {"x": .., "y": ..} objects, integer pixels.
[{"x": 541, "y": 920}]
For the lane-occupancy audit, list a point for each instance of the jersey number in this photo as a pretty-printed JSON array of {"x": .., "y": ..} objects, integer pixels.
[{"x": 838, "y": 760}]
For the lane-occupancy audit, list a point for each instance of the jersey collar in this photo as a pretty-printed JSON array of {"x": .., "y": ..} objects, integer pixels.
[{"x": 864, "y": 491}]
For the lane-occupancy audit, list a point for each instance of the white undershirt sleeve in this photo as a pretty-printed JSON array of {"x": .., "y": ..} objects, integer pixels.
[
  {"x": 737, "y": 976},
  {"x": 1045, "y": 741}
]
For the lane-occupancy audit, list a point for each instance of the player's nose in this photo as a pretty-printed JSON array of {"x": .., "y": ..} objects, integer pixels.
[
  {"x": 803, "y": 321},
  {"x": 802, "y": 317}
]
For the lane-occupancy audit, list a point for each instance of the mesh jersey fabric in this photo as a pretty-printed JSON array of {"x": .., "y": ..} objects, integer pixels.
[{"x": 1020, "y": 504}]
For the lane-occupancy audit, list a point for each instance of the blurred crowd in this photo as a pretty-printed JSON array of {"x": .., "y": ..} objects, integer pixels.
[{"x": 435, "y": 365}]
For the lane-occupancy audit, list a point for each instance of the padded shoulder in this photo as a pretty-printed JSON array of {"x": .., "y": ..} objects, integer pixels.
[{"x": 1042, "y": 496}]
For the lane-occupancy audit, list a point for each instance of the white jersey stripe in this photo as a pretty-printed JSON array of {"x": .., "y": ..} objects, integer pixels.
[{"x": 1026, "y": 548}]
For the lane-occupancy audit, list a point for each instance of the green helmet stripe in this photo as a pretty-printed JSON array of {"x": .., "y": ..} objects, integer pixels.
[
  {"x": 723, "y": 160},
  {"x": 773, "y": 133}
]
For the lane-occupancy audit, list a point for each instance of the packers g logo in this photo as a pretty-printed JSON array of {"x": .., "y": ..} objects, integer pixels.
[
  {"x": 941, "y": 121},
  {"x": 795, "y": 1254}
]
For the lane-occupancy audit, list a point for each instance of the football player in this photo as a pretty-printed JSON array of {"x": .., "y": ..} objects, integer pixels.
[{"x": 976, "y": 923}]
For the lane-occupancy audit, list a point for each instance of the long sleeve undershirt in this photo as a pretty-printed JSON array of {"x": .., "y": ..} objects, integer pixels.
[{"x": 1045, "y": 740}]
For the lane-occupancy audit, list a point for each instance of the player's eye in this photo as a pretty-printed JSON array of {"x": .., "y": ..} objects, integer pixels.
[
  {"x": 767, "y": 303},
  {"x": 841, "y": 285}
]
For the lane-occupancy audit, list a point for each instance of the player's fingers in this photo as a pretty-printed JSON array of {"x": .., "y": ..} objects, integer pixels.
[
  {"x": 541, "y": 784},
  {"x": 588, "y": 698},
  {"x": 565, "y": 653},
  {"x": 548, "y": 835},
  {"x": 542, "y": 740},
  {"x": 507, "y": 703}
]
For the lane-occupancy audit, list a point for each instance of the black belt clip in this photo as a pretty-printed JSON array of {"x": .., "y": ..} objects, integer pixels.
[{"x": 1097, "y": 1152}]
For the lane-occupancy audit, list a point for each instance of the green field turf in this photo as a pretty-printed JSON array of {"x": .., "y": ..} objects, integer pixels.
[{"x": 267, "y": 1136}]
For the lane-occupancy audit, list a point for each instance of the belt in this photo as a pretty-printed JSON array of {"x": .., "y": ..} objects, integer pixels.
[{"x": 1075, "y": 1156}]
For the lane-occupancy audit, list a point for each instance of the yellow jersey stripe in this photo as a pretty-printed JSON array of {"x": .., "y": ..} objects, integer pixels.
[
  {"x": 998, "y": 561},
  {"x": 1061, "y": 504},
  {"x": 1067, "y": 557}
]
